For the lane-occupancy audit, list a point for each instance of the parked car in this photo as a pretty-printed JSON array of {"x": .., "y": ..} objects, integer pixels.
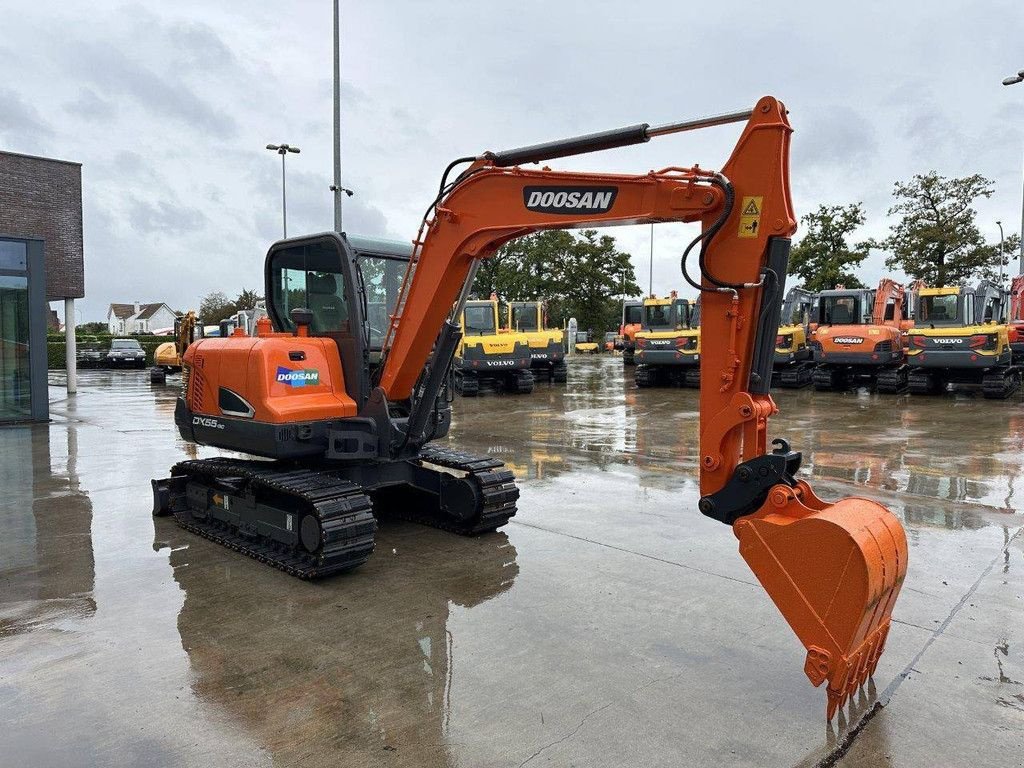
[
  {"x": 90, "y": 355},
  {"x": 126, "y": 353}
]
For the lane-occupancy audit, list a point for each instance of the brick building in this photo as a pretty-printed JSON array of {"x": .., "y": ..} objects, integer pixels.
[{"x": 41, "y": 260}]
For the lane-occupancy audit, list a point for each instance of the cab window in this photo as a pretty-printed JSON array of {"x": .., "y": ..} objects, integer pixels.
[
  {"x": 839, "y": 310},
  {"x": 310, "y": 276},
  {"x": 524, "y": 318},
  {"x": 382, "y": 280},
  {"x": 479, "y": 320},
  {"x": 939, "y": 309},
  {"x": 658, "y": 315}
]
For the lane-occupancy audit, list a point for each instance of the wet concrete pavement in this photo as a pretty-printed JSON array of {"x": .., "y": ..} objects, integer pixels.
[{"x": 609, "y": 624}]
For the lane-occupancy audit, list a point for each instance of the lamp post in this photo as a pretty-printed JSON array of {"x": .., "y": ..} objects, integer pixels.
[
  {"x": 282, "y": 150},
  {"x": 650, "y": 274},
  {"x": 1019, "y": 77},
  {"x": 1001, "y": 252}
]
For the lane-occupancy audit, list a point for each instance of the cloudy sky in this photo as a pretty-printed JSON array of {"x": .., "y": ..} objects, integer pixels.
[{"x": 168, "y": 106}]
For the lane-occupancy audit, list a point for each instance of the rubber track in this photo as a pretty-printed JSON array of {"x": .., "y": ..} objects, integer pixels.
[
  {"x": 346, "y": 517},
  {"x": 496, "y": 485},
  {"x": 1000, "y": 383}
]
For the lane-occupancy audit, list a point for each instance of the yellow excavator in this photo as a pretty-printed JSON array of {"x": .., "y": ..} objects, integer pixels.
[
  {"x": 486, "y": 358},
  {"x": 668, "y": 344},
  {"x": 794, "y": 363},
  {"x": 336, "y": 434},
  {"x": 547, "y": 350},
  {"x": 961, "y": 336},
  {"x": 167, "y": 357}
]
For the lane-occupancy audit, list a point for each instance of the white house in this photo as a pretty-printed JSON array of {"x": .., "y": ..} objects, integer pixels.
[{"x": 139, "y": 318}]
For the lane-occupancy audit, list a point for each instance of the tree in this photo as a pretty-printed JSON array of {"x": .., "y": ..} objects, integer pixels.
[
  {"x": 215, "y": 306},
  {"x": 247, "y": 300},
  {"x": 824, "y": 258},
  {"x": 580, "y": 275},
  {"x": 937, "y": 238}
]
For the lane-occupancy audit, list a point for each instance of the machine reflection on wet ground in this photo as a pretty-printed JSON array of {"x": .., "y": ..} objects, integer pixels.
[{"x": 609, "y": 624}]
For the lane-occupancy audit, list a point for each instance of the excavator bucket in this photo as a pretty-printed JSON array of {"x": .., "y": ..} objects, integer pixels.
[{"x": 834, "y": 571}]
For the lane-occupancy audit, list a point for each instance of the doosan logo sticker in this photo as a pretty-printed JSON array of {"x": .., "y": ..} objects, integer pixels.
[
  {"x": 848, "y": 339},
  {"x": 298, "y": 378},
  {"x": 569, "y": 200}
]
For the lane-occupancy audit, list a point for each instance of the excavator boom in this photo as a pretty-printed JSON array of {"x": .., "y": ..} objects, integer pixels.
[{"x": 833, "y": 570}]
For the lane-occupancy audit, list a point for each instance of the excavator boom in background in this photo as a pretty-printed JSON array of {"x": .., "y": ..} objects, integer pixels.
[{"x": 350, "y": 425}]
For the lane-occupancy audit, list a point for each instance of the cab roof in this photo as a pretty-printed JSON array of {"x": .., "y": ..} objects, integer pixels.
[
  {"x": 947, "y": 291},
  {"x": 380, "y": 245}
]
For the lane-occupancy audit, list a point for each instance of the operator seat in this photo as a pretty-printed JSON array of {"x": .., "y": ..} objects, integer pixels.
[{"x": 328, "y": 308}]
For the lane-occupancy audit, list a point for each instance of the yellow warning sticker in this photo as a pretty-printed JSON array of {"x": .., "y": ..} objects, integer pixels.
[{"x": 750, "y": 216}]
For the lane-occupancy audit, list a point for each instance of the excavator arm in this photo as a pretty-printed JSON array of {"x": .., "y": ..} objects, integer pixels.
[
  {"x": 888, "y": 290},
  {"x": 834, "y": 570}
]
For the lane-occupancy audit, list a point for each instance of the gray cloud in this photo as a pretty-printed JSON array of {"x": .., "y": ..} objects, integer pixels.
[
  {"x": 20, "y": 121},
  {"x": 165, "y": 217},
  {"x": 91, "y": 106}
]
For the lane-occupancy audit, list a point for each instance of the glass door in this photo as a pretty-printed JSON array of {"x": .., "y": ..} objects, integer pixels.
[{"x": 15, "y": 377}]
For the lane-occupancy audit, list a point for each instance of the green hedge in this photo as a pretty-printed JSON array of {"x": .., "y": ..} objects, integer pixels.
[
  {"x": 56, "y": 351},
  {"x": 105, "y": 338}
]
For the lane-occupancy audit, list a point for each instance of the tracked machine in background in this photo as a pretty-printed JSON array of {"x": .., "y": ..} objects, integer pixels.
[
  {"x": 486, "y": 359},
  {"x": 668, "y": 343},
  {"x": 1015, "y": 329},
  {"x": 547, "y": 349},
  {"x": 961, "y": 337},
  {"x": 341, "y": 438},
  {"x": 167, "y": 356},
  {"x": 794, "y": 363},
  {"x": 632, "y": 322},
  {"x": 859, "y": 338}
]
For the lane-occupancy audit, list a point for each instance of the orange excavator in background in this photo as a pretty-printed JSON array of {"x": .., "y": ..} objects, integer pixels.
[
  {"x": 632, "y": 322},
  {"x": 348, "y": 428},
  {"x": 860, "y": 338},
  {"x": 1015, "y": 327}
]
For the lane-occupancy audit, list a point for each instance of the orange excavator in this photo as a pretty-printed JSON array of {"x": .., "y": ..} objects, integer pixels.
[
  {"x": 860, "y": 338},
  {"x": 347, "y": 427},
  {"x": 1016, "y": 322}
]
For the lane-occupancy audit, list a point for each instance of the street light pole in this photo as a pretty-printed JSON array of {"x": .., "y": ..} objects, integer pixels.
[
  {"x": 1019, "y": 77},
  {"x": 650, "y": 276},
  {"x": 282, "y": 150},
  {"x": 1002, "y": 253},
  {"x": 336, "y": 187}
]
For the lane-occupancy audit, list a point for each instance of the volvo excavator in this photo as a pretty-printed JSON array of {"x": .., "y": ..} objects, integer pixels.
[
  {"x": 859, "y": 338},
  {"x": 961, "y": 337},
  {"x": 339, "y": 431},
  {"x": 547, "y": 349},
  {"x": 668, "y": 343},
  {"x": 487, "y": 358},
  {"x": 794, "y": 366}
]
